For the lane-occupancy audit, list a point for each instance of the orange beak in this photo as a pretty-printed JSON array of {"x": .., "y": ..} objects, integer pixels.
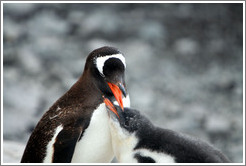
[
  {"x": 111, "y": 106},
  {"x": 117, "y": 94}
]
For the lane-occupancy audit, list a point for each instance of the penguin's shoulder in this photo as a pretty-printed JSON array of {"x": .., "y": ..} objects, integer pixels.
[{"x": 57, "y": 133}]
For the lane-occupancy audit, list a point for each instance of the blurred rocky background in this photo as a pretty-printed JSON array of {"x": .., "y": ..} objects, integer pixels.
[{"x": 184, "y": 65}]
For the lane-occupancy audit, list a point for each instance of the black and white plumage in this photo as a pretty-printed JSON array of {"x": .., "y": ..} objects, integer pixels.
[
  {"x": 75, "y": 128},
  {"x": 136, "y": 139}
]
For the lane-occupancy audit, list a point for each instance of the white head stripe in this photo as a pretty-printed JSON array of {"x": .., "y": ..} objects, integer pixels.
[{"x": 101, "y": 60}]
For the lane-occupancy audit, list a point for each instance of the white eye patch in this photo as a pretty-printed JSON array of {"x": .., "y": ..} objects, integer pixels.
[{"x": 101, "y": 60}]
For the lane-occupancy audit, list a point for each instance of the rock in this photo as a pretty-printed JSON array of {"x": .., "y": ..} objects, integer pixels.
[
  {"x": 186, "y": 47},
  {"x": 217, "y": 124},
  {"x": 19, "y": 9}
]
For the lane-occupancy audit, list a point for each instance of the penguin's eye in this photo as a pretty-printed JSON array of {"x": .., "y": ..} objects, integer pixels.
[
  {"x": 130, "y": 123},
  {"x": 127, "y": 123}
]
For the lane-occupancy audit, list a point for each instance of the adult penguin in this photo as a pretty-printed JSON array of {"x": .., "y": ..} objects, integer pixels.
[{"x": 75, "y": 128}]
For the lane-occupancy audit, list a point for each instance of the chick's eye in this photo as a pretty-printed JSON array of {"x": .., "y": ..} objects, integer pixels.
[{"x": 127, "y": 123}]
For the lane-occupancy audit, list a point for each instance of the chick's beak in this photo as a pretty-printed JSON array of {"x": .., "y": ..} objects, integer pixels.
[{"x": 117, "y": 91}]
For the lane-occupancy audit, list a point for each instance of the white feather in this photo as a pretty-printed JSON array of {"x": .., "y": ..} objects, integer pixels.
[
  {"x": 123, "y": 143},
  {"x": 158, "y": 157},
  {"x": 126, "y": 101},
  {"x": 95, "y": 145},
  {"x": 50, "y": 145}
]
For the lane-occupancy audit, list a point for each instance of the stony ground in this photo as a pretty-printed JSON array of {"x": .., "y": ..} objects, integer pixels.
[{"x": 184, "y": 64}]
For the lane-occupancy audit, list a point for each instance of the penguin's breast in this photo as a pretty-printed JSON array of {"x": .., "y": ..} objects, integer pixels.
[{"x": 95, "y": 145}]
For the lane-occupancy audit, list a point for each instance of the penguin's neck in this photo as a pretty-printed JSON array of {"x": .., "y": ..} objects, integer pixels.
[{"x": 123, "y": 143}]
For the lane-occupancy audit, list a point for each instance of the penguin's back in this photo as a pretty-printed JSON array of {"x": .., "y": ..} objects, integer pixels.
[{"x": 182, "y": 148}]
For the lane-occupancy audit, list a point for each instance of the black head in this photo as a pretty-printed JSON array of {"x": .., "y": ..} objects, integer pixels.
[
  {"x": 129, "y": 119},
  {"x": 107, "y": 66}
]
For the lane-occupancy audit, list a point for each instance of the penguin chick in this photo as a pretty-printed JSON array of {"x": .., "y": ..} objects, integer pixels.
[{"x": 136, "y": 140}]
